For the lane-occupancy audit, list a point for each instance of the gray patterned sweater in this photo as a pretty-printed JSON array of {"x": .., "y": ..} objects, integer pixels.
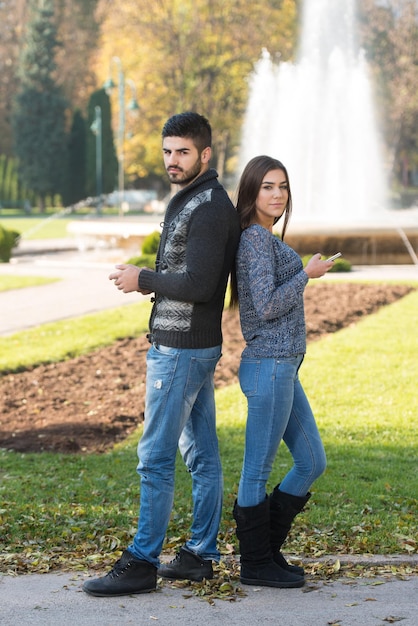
[
  {"x": 271, "y": 283},
  {"x": 196, "y": 253}
]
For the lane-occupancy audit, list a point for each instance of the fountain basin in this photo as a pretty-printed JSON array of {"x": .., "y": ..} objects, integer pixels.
[
  {"x": 124, "y": 234},
  {"x": 392, "y": 240}
]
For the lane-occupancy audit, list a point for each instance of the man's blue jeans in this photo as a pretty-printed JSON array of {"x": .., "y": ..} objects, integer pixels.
[
  {"x": 179, "y": 413},
  {"x": 277, "y": 409}
]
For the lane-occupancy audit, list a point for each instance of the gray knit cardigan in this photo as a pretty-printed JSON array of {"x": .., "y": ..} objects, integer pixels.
[{"x": 196, "y": 253}]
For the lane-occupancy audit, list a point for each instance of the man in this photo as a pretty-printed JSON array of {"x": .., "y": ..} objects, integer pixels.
[{"x": 196, "y": 253}]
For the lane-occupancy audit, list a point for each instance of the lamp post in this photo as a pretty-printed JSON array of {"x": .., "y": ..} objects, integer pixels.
[
  {"x": 132, "y": 106},
  {"x": 96, "y": 129}
]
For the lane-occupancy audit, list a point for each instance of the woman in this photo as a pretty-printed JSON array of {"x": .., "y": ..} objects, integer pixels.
[{"x": 269, "y": 286}]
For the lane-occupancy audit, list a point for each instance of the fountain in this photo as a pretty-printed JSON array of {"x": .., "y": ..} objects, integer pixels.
[{"x": 317, "y": 117}]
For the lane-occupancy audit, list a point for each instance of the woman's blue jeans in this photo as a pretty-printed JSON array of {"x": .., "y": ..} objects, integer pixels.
[
  {"x": 179, "y": 413},
  {"x": 277, "y": 409}
]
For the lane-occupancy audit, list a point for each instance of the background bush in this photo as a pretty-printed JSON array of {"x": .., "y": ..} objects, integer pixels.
[
  {"x": 144, "y": 260},
  {"x": 149, "y": 251},
  {"x": 8, "y": 240},
  {"x": 151, "y": 243}
]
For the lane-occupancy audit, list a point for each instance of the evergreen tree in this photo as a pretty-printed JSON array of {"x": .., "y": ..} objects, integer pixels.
[
  {"x": 9, "y": 180},
  {"x": 12, "y": 193},
  {"x": 3, "y": 161},
  {"x": 39, "y": 111},
  {"x": 109, "y": 158},
  {"x": 76, "y": 161}
]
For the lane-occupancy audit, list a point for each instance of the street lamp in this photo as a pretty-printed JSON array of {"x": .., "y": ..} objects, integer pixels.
[
  {"x": 109, "y": 85},
  {"x": 96, "y": 129}
]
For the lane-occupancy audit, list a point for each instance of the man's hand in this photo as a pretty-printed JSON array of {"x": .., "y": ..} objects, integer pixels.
[{"x": 126, "y": 278}]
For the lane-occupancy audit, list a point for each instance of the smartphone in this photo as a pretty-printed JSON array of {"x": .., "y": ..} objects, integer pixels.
[{"x": 333, "y": 257}]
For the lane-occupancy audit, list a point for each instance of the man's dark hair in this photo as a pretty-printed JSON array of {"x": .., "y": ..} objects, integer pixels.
[{"x": 191, "y": 125}]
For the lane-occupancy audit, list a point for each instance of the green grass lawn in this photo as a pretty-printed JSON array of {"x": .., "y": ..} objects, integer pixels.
[
  {"x": 49, "y": 227},
  {"x": 75, "y": 511},
  {"x": 52, "y": 225},
  {"x": 61, "y": 340},
  {"x": 19, "y": 282}
]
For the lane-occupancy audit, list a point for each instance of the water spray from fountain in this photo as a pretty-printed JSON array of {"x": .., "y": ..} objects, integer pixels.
[{"x": 317, "y": 117}]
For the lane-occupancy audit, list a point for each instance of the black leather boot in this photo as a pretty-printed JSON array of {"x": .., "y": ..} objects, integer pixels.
[
  {"x": 129, "y": 575},
  {"x": 186, "y": 566},
  {"x": 283, "y": 510},
  {"x": 257, "y": 564}
]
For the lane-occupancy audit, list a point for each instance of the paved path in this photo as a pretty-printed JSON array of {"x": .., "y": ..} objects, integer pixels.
[
  {"x": 57, "y": 600},
  {"x": 83, "y": 286}
]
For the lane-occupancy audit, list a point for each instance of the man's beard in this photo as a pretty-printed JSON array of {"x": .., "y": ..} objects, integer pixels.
[{"x": 183, "y": 178}]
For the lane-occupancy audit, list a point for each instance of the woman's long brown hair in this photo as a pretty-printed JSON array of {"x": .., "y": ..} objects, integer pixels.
[{"x": 247, "y": 192}]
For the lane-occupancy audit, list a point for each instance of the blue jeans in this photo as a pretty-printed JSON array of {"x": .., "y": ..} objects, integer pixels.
[
  {"x": 179, "y": 413},
  {"x": 277, "y": 409}
]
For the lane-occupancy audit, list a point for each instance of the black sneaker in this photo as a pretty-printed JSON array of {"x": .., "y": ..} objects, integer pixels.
[
  {"x": 129, "y": 575},
  {"x": 186, "y": 566}
]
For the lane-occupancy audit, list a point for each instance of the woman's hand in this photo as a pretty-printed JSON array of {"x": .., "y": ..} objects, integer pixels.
[{"x": 317, "y": 268}]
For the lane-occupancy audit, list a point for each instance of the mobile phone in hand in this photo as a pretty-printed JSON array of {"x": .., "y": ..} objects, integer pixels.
[{"x": 333, "y": 257}]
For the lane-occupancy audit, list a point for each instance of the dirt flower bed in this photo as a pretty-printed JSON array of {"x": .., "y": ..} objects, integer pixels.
[{"x": 89, "y": 403}]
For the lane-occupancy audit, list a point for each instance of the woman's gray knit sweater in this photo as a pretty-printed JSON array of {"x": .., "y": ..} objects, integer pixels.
[{"x": 271, "y": 282}]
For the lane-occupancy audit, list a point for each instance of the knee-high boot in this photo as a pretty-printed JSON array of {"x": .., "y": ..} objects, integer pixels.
[
  {"x": 283, "y": 509},
  {"x": 257, "y": 565}
]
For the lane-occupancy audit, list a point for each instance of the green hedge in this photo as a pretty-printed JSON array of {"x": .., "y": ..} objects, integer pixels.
[
  {"x": 151, "y": 243},
  {"x": 8, "y": 240},
  {"x": 149, "y": 251},
  {"x": 145, "y": 260}
]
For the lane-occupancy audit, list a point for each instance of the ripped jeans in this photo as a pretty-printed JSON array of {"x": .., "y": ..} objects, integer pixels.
[{"x": 179, "y": 413}]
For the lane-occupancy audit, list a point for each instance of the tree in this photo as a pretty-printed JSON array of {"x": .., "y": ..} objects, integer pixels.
[
  {"x": 39, "y": 111},
  {"x": 78, "y": 32},
  {"x": 109, "y": 158},
  {"x": 390, "y": 38},
  {"x": 191, "y": 54},
  {"x": 77, "y": 155},
  {"x": 12, "y": 19}
]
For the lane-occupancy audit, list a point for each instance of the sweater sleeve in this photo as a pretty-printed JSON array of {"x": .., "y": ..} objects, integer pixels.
[
  {"x": 275, "y": 276},
  {"x": 205, "y": 251}
]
